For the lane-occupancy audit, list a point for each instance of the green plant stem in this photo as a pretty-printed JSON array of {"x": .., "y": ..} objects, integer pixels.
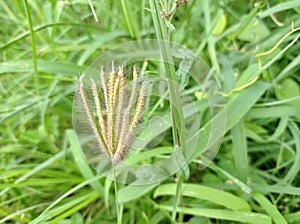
[
  {"x": 211, "y": 40},
  {"x": 124, "y": 8},
  {"x": 33, "y": 47},
  {"x": 176, "y": 109},
  {"x": 129, "y": 20},
  {"x": 93, "y": 10},
  {"x": 178, "y": 125},
  {"x": 119, "y": 216}
]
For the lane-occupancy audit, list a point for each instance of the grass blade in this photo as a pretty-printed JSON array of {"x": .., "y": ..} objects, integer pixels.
[
  {"x": 81, "y": 162},
  {"x": 239, "y": 150},
  {"x": 238, "y": 216},
  {"x": 269, "y": 208},
  {"x": 206, "y": 193}
]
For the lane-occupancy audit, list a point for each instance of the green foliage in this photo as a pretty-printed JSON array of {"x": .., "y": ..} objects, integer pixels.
[{"x": 254, "y": 53}]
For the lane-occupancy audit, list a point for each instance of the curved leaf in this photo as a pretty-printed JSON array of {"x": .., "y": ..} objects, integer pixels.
[{"x": 206, "y": 193}]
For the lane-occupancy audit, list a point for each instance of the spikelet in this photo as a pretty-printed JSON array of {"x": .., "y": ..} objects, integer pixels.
[
  {"x": 120, "y": 102},
  {"x": 98, "y": 106},
  {"x": 138, "y": 109},
  {"x": 116, "y": 119},
  {"x": 91, "y": 120}
]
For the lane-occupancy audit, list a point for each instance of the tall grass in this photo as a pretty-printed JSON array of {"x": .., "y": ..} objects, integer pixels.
[{"x": 252, "y": 50}]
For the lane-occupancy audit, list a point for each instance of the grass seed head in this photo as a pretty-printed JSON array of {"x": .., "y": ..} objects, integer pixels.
[{"x": 114, "y": 122}]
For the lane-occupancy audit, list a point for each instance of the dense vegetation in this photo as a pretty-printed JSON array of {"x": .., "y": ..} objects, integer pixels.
[{"x": 251, "y": 46}]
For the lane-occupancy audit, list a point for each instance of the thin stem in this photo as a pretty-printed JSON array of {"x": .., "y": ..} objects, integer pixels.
[
  {"x": 278, "y": 43},
  {"x": 210, "y": 41},
  {"x": 178, "y": 124},
  {"x": 128, "y": 22},
  {"x": 161, "y": 32},
  {"x": 33, "y": 47},
  {"x": 93, "y": 11},
  {"x": 119, "y": 217}
]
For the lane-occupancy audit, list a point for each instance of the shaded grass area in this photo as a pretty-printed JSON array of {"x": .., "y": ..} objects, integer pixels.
[{"x": 254, "y": 177}]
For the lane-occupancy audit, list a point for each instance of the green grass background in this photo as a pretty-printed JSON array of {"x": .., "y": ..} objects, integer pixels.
[{"x": 46, "y": 45}]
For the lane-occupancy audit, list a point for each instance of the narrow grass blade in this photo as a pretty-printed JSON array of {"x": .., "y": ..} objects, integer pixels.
[
  {"x": 269, "y": 208},
  {"x": 238, "y": 216},
  {"x": 279, "y": 8},
  {"x": 276, "y": 188},
  {"x": 271, "y": 112},
  {"x": 243, "y": 186},
  {"x": 33, "y": 48},
  {"x": 293, "y": 218},
  {"x": 70, "y": 208},
  {"x": 236, "y": 108},
  {"x": 132, "y": 192},
  {"x": 43, "y": 66},
  {"x": 206, "y": 193},
  {"x": 295, "y": 168},
  {"x": 131, "y": 20},
  {"x": 239, "y": 150},
  {"x": 45, "y": 214},
  {"x": 15, "y": 215},
  {"x": 36, "y": 169},
  {"x": 81, "y": 161}
]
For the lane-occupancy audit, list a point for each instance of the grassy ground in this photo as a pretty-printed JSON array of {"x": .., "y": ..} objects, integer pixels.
[{"x": 253, "y": 49}]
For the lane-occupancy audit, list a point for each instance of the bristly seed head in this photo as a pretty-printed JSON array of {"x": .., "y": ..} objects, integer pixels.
[{"x": 116, "y": 119}]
